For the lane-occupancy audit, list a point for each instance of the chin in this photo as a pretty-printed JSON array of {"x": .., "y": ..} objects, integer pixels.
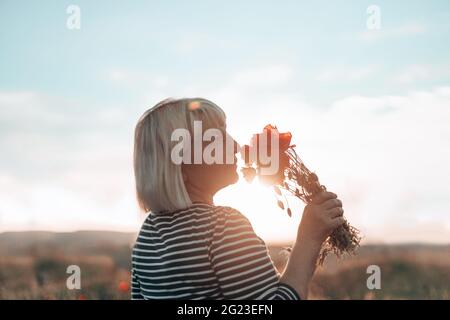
[
  {"x": 234, "y": 177},
  {"x": 231, "y": 176}
]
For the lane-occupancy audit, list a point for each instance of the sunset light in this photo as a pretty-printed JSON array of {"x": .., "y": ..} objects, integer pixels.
[{"x": 121, "y": 124}]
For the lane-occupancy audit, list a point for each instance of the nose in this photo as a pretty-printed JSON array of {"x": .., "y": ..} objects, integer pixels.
[{"x": 237, "y": 147}]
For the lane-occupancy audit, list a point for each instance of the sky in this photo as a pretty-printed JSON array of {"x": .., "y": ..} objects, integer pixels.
[{"x": 369, "y": 109}]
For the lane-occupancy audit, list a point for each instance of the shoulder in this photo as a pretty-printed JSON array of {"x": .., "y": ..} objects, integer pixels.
[
  {"x": 225, "y": 213},
  {"x": 231, "y": 226},
  {"x": 229, "y": 220}
]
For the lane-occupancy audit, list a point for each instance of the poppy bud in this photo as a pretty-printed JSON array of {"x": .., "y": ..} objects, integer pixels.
[{"x": 280, "y": 204}]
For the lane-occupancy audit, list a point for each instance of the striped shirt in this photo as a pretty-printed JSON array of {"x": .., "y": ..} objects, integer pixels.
[{"x": 203, "y": 252}]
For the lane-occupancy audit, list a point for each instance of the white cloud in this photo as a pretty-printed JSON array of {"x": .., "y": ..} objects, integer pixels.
[
  {"x": 422, "y": 72},
  {"x": 413, "y": 73},
  {"x": 189, "y": 42},
  {"x": 344, "y": 74},
  {"x": 64, "y": 164},
  {"x": 267, "y": 76},
  {"x": 406, "y": 30},
  {"x": 135, "y": 79},
  {"x": 386, "y": 156}
]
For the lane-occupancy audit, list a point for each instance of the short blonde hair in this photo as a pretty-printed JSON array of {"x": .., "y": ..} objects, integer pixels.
[{"x": 159, "y": 181}]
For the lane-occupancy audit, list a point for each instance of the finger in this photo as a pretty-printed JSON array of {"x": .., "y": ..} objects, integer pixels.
[
  {"x": 335, "y": 212},
  {"x": 323, "y": 196},
  {"x": 332, "y": 203},
  {"x": 337, "y": 222}
]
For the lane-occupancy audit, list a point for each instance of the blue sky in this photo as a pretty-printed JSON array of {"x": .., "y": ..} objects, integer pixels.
[
  {"x": 206, "y": 41},
  {"x": 377, "y": 102}
]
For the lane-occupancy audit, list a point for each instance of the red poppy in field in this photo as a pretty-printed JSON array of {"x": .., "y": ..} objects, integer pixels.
[{"x": 124, "y": 286}]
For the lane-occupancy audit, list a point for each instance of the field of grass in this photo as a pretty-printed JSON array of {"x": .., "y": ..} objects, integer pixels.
[
  {"x": 33, "y": 266},
  {"x": 407, "y": 272}
]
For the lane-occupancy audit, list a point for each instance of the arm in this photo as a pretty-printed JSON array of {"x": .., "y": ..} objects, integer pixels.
[
  {"x": 135, "y": 287},
  {"x": 319, "y": 219}
]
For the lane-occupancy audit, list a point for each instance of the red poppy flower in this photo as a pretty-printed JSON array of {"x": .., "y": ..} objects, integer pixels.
[
  {"x": 124, "y": 286},
  {"x": 261, "y": 144},
  {"x": 284, "y": 139}
]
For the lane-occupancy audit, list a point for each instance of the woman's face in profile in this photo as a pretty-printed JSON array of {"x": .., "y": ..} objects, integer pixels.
[{"x": 210, "y": 178}]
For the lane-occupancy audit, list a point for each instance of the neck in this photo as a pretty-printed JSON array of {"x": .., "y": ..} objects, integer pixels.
[{"x": 197, "y": 196}]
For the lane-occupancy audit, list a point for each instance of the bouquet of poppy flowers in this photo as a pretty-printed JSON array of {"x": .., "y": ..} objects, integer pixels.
[{"x": 293, "y": 177}]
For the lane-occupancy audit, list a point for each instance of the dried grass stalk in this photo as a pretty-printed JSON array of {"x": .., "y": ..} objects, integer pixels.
[{"x": 304, "y": 184}]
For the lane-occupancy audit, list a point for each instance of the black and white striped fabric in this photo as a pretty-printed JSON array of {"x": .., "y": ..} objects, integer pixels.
[{"x": 203, "y": 252}]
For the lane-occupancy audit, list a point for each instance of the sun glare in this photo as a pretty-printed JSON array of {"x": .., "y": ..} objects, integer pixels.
[{"x": 259, "y": 204}]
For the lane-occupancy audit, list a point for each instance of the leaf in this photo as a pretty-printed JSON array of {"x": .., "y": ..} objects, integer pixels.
[
  {"x": 277, "y": 190},
  {"x": 249, "y": 173},
  {"x": 280, "y": 204}
]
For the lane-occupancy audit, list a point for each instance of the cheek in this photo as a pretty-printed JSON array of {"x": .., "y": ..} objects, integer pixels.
[
  {"x": 231, "y": 173},
  {"x": 224, "y": 175}
]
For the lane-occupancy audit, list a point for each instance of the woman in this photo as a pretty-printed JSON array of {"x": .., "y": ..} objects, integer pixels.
[{"x": 188, "y": 248}]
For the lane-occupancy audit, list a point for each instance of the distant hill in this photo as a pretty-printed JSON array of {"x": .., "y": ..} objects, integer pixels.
[
  {"x": 21, "y": 243},
  {"x": 91, "y": 242}
]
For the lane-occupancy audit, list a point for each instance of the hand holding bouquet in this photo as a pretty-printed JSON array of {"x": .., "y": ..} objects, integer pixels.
[{"x": 293, "y": 177}]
